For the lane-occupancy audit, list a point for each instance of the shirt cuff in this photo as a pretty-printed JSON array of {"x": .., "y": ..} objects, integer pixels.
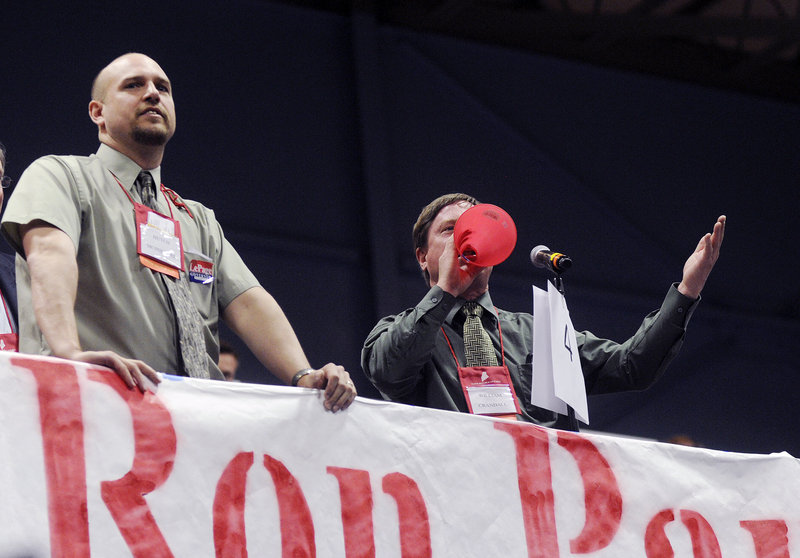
[
  {"x": 678, "y": 308},
  {"x": 437, "y": 303}
]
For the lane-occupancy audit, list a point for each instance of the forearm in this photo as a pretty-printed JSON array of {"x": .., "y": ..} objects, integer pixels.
[
  {"x": 398, "y": 347},
  {"x": 53, "y": 269},
  {"x": 54, "y": 281},
  {"x": 639, "y": 361},
  {"x": 258, "y": 320}
]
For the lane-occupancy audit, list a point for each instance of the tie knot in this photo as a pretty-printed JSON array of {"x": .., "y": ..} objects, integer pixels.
[
  {"x": 146, "y": 180},
  {"x": 147, "y": 189},
  {"x": 473, "y": 309}
]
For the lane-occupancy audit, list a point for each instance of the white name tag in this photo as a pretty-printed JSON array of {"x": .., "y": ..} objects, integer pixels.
[
  {"x": 160, "y": 245},
  {"x": 161, "y": 223},
  {"x": 491, "y": 400}
]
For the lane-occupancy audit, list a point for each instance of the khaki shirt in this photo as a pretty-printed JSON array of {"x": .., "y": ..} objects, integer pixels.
[{"x": 121, "y": 305}]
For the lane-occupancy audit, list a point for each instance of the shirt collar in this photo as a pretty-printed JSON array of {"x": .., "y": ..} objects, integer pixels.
[
  {"x": 123, "y": 167},
  {"x": 485, "y": 300}
]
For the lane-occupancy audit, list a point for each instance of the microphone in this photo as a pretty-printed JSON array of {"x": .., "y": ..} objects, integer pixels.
[{"x": 541, "y": 256}]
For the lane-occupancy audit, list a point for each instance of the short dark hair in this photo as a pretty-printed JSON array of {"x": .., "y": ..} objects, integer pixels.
[
  {"x": 419, "y": 233},
  {"x": 226, "y": 348}
]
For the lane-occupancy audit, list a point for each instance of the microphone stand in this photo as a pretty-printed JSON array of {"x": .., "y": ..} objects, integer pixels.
[{"x": 558, "y": 282}]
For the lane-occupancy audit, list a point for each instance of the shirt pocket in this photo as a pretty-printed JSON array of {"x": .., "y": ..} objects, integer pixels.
[{"x": 523, "y": 388}]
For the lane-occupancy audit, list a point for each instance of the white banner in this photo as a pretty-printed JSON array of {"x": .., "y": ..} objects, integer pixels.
[{"x": 205, "y": 469}]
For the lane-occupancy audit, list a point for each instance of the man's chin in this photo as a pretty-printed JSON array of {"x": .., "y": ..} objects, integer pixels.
[
  {"x": 149, "y": 136},
  {"x": 479, "y": 286}
]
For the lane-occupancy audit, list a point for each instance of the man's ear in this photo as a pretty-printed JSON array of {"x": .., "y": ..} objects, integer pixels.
[
  {"x": 96, "y": 112},
  {"x": 422, "y": 258}
]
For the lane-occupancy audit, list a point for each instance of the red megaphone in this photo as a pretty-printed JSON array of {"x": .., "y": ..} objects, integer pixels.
[{"x": 485, "y": 235}]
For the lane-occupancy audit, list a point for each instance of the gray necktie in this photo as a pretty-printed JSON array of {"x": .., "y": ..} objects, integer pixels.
[
  {"x": 147, "y": 189},
  {"x": 478, "y": 346},
  {"x": 190, "y": 334}
]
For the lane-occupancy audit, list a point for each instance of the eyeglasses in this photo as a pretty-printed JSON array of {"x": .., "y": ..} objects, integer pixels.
[{"x": 6, "y": 181}]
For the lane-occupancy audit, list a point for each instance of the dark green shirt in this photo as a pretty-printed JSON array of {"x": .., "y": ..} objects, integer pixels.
[{"x": 408, "y": 359}]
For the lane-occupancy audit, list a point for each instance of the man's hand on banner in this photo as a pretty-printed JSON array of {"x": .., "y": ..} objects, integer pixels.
[
  {"x": 340, "y": 391},
  {"x": 134, "y": 373}
]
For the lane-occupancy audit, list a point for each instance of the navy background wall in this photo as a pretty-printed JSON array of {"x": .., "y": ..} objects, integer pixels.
[{"x": 318, "y": 137}]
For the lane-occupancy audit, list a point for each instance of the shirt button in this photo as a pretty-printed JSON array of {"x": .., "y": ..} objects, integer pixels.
[
  {"x": 434, "y": 299},
  {"x": 680, "y": 310}
]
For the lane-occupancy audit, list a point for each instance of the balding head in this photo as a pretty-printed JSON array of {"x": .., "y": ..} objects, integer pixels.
[
  {"x": 133, "y": 108},
  {"x": 101, "y": 80}
]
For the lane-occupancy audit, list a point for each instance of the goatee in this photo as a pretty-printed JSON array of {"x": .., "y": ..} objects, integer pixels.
[{"x": 149, "y": 136}]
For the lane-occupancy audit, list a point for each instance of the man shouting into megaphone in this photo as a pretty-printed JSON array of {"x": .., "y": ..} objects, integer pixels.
[{"x": 455, "y": 351}]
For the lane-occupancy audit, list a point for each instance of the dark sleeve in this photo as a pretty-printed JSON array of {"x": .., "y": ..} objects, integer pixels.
[
  {"x": 398, "y": 347},
  {"x": 638, "y": 362},
  {"x": 8, "y": 286}
]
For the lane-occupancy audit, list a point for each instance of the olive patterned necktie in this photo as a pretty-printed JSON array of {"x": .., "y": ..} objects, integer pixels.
[
  {"x": 190, "y": 333},
  {"x": 478, "y": 346}
]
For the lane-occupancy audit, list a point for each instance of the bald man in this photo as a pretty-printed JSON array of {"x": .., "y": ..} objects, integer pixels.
[{"x": 99, "y": 280}]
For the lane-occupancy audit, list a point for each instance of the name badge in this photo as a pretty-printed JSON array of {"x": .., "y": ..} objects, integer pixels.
[
  {"x": 158, "y": 241},
  {"x": 489, "y": 391},
  {"x": 491, "y": 400}
]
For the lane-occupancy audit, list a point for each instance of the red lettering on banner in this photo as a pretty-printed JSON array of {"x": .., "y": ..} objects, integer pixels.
[
  {"x": 155, "y": 445},
  {"x": 64, "y": 457},
  {"x": 535, "y": 488},
  {"x": 230, "y": 540},
  {"x": 355, "y": 494},
  {"x": 603, "y": 500},
  {"x": 297, "y": 527},
  {"x": 770, "y": 537},
  {"x": 704, "y": 541},
  {"x": 415, "y": 529},
  {"x": 656, "y": 543}
]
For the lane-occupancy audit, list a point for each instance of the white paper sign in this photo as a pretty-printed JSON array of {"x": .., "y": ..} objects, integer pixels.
[
  {"x": 557, "y": 376},
  {"x": 543, "y": 391},
  {"x": 568, "y": 378}
]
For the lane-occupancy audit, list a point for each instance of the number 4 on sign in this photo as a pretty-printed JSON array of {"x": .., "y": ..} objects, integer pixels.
[
  {"x": 557, "y": 379},
  {"x": 567, "y": 374}
]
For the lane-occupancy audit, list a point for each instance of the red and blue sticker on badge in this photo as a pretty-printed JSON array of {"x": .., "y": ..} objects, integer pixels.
[{"x": 201, "y": 272}]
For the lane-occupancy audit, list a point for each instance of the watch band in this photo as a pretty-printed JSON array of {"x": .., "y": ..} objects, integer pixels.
[{"x": 300, "y": 374}]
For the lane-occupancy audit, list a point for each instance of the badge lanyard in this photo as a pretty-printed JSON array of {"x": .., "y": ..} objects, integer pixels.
[
  {"x": 158, "y": 238},
  {"x": 488, "y": 389},
  {"x": 8, "y": 341}
]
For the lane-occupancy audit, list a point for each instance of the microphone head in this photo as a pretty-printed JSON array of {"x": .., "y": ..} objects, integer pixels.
[
  {"x": 562, "y": 263},
  {"x": 538, "y": 258}
]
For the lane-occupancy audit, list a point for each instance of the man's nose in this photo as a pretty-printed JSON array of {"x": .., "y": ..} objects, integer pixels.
[{"x": 152, "y": 91}]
